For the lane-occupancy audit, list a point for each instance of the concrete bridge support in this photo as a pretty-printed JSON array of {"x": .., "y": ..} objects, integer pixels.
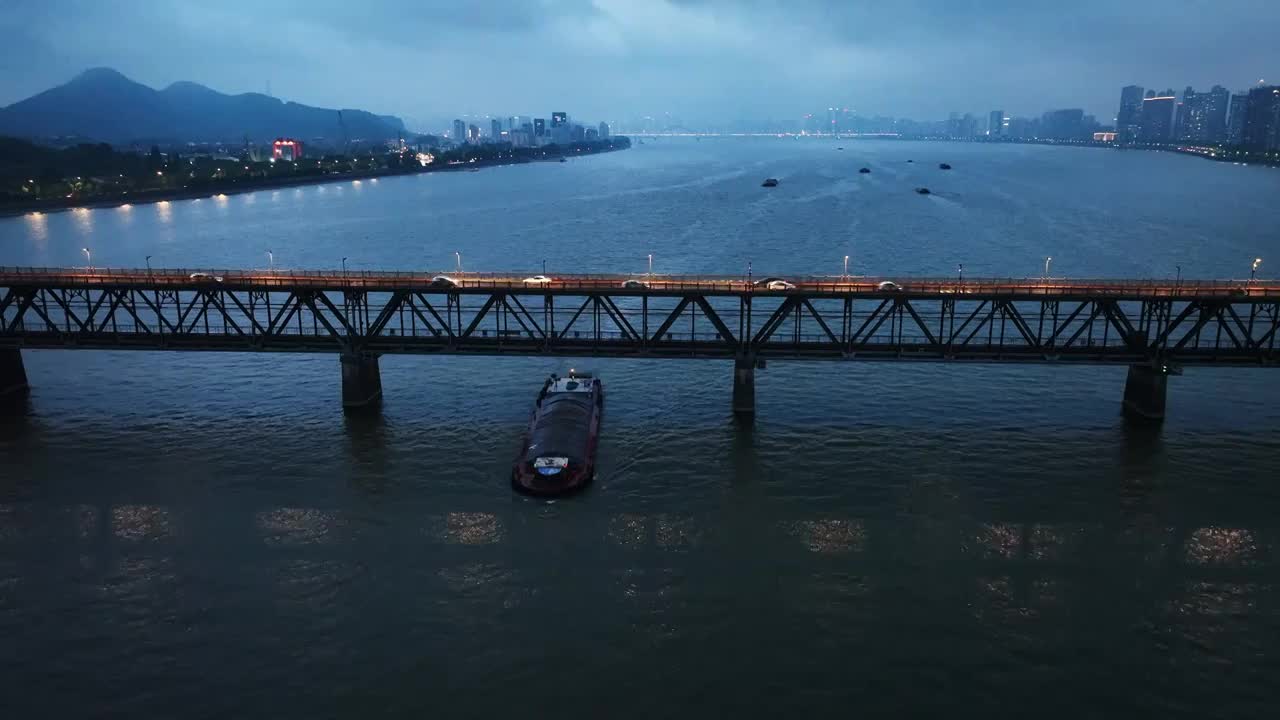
[
  {"x": 744, "y": 385},
  {"x": 1144, "y": 393},
  {"x": 13, "y": 374},
  {"x": 361, "y": 382}
]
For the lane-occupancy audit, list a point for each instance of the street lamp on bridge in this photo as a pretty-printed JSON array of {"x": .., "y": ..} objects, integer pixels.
[
  {"x": 344, "y": 266},
  {"x": 650, "y": 264},
  {"x": 1253, "y": 272},
  {"x": 88, "y": 258},
  {"x": 271, "y": 262},
  {"x": 1046, "y": 266},
  {"x": 960, "y": 273},
  {"x": 846, "y": 267},
  {"x": 148, "y": 261},
  {"x": 458, "y": 256}
]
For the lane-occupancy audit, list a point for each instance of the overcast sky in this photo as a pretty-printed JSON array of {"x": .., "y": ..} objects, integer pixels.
[{"x": 700, "y": 60}]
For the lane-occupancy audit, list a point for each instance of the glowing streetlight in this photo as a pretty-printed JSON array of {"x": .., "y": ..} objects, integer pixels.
[
  {"x": 650, "y": 264},
  {"x": 88, "y": 258},
  {"x": 1253, "y": 271},
  {"x": 846, "y": 266},
  {"x": 271, "y": 261},
  {"x": 960, "y": 272},
  {"x": 1046, "y": 266},
  {"x": 458, "y": 256}
]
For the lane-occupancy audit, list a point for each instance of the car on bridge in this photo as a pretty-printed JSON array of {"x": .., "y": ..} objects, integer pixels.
[
  {"x": 775, "y": 284},
  {"x": 443, "y": 281},
  {"x": 634, "y": 284},
  {"x": 537, "y": 280},
  {"x": 204, "y": 277},
  {"x": 889, "y": 286}
]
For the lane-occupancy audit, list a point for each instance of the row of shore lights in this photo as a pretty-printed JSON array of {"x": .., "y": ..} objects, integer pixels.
[{"x": 271, "y": 263}]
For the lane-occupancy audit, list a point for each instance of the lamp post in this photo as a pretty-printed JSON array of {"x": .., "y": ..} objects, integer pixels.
[
  {"x": 846, "y": 267},
  {"x": 271, "y": 262},
  {"x": 960, "y": 272},
  {"x": 148, "y": 264},
  {"x": 544, "y": 267},
  {"x": 458, "y": 256},
  {"x": 1046, "y": 266},
  {"x": 1253, "y": 271},
  {"x": 650, "y": 264},
  {"x": 88, "y": 258},
  {"x": 344, "y": 266}
]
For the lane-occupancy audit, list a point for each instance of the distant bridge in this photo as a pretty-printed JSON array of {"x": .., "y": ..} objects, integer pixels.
[{"x": 1154, "y": 327}]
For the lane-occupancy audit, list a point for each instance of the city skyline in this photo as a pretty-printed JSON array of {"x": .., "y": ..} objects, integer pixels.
[{"x": 706, "y": 61}]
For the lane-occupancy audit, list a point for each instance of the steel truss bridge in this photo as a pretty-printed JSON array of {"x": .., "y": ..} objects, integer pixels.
[{"x": 1153, "y": 327}]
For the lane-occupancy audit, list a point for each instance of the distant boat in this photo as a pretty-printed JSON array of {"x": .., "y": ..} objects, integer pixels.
[
  {"x": 563, "y": 160},
  {"x": 864, "y": 170},
  {"x": 769, "y": 182},
  {"x": 943, "y": 166},
  {"x": 923, "y": 190},
  {"x": 839, "y": 148},
  {"x": 911, "y": 161}
]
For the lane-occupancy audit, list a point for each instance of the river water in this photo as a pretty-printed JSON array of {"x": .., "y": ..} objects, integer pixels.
[{"x": 209, "y": 536}]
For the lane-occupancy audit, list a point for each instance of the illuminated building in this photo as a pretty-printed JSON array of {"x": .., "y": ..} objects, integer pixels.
[
  {"x": 459, "y": 131},
  {"x": 1104, "y": 137},
  {"x": 1129, "y": 119},
  {"x": 286, "y": 149},
  {"x": 1202, "y": 117},
  {"x": 997, "y": 124},
  {"x": 1157, "y": 117},
  {"x": 1262, "y": 119},
  {"x": 495, "y": 129},
  {"x": 559, "y": 119},
  {"x": 539, "y": 127},
  {"x": 1235, "y": 121}
]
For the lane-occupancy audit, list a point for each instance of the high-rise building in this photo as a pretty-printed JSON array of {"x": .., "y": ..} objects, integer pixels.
[
  {"x": 1262, "y": 119},
  {"x": 1157, "y": 117},
  {"x": 473, "y": 134},
  {"x": 604, "y": 130},
  {"x": 459, "y": 131},
  {"x": 1063, "y": 124},
  {"x": 539, "y": 127},
  {"x": 1129, "y": 119},
  {"x": 558, "y": 119},
  {"x": 1235, "y": 122},
  {"x": 1202, "y": 117},
  {"x": 495, "y": 129},
  {"x": 996, "y": 124}
]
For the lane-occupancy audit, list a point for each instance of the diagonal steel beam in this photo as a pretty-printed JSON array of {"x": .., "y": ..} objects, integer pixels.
[
  {"x": 66, "y": 309},
  {"x": 431, "y": 309},
  {"x": 1206, "y": 312},
  {"x": 1097, "y": 310},
  {"x": 160, "y": 318},
  {"x": 1244, "y": 331},
  {"x": 284, "y": 314},
  {"x": 1066, "y": 323},
  {"x": 117, "y": 296},
  {"x": 774, "y": 321},
  {"x": 484, "y": 310},
  {"x": 853, "y": 339},
  {"x": 257, "y": 329},
  {"x": 955, "y": 332},
  {"x": 387, "y": 312},
  {"x": 519, "y": 310},
  {"x": 671, "y": 319},
  {"x": 920, "y": 322},
  {"x": 564, "y": 332},
  {"x": 341, "y": 316},
  {"x": 215, "y": 298},
  {"x": 310, "y": 301},
  {"x": 131, "y": 308},
  {"x": 619, "y": 318},
  {"x": 715, "y": 319},
  {"x": 1173, "y": 324},
  {"x": 24, "y": 304},
  {"x": 991, "y": 314},
  {"x": 821, "y": 323},
  {"x": 1020, "y": 324}
]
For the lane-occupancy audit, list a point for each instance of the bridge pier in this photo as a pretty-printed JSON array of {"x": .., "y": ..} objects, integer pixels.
[
  {"x": 13, "y": 374},
  {"x": 361, "y": 382},
  {"x": 744, "y": 385},
  {"x": 1144, "y": 393}
]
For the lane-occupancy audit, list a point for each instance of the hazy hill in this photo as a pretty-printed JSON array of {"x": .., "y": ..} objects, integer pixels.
[{"x": 102, "y": 104}]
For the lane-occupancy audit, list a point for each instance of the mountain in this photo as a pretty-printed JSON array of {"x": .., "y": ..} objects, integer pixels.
[{"x": 102, "y": 104}]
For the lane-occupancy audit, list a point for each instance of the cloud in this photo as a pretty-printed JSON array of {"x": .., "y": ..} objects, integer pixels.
[{"x": 609, "y": 59}]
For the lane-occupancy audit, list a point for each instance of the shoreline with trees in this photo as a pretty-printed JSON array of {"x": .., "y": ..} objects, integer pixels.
[{"x": 35, "y": 178}]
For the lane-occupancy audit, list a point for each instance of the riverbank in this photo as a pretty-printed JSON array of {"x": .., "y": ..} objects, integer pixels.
[{"x": 241, "y": 186}]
